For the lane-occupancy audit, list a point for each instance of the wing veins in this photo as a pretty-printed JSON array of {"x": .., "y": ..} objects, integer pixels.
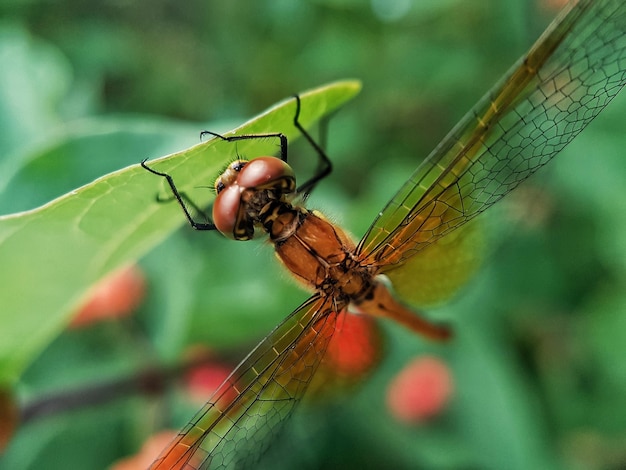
[
  {"x": 501, "y": 119},
  {"x": 322, "y": 309}
]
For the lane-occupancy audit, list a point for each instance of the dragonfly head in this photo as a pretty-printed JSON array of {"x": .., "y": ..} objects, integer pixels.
[{"x": 230, "y": 214}]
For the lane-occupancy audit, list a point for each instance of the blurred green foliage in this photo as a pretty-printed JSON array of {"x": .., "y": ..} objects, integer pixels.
[{"x": 87, "y": 88}]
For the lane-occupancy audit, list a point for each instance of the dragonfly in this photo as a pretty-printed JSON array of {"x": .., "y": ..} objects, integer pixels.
[{"x": 545, "y": 100}]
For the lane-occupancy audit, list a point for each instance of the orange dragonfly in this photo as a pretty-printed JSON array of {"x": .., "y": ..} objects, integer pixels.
[{"x": 571, "y": 73}]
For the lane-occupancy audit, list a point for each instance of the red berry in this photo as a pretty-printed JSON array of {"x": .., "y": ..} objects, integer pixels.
[
  {"x": 9, "y": 417},
  {"x": 116, "y": 296},
  {"x": 420, "y": 391},
  {"x": 203, "y": 380}
]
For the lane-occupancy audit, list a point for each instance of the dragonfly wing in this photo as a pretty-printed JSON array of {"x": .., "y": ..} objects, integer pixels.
[
  {"x": 441, "y": 268},
  {"x": 237, "y": 424},
  {"x": 546, "y": 99}
]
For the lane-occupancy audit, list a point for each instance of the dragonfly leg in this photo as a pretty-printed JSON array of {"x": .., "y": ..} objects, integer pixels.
[
  {"x": 325, "y": 166},
  {"x": 180, "y": 198},
  {"x": 284, "y": 145}
]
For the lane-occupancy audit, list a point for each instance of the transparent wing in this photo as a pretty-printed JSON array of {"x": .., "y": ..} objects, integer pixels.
[
  {"x": 571, "y": 73},
  {"x": 441, "y": 268},
  {"x": 237, "y": 424}
]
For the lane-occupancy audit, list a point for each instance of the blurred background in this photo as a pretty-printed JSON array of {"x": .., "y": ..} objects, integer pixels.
[{"x": 535, "y": 377}]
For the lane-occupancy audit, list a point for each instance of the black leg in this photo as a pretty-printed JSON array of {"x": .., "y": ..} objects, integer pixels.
[
  {"x": 323, "y": 169},
  {"x": 179, "y": 198},
  {"x": 283, "y": 140},
  {"x": 325, "y": 165}
]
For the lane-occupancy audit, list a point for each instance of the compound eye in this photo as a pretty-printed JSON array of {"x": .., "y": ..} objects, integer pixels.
[
  {"x": 226, "y": 210},
  {"x": 264, "y": 171}
]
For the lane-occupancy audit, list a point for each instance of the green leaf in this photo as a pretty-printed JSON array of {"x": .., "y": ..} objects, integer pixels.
[{"x": 52, "y": 255}]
